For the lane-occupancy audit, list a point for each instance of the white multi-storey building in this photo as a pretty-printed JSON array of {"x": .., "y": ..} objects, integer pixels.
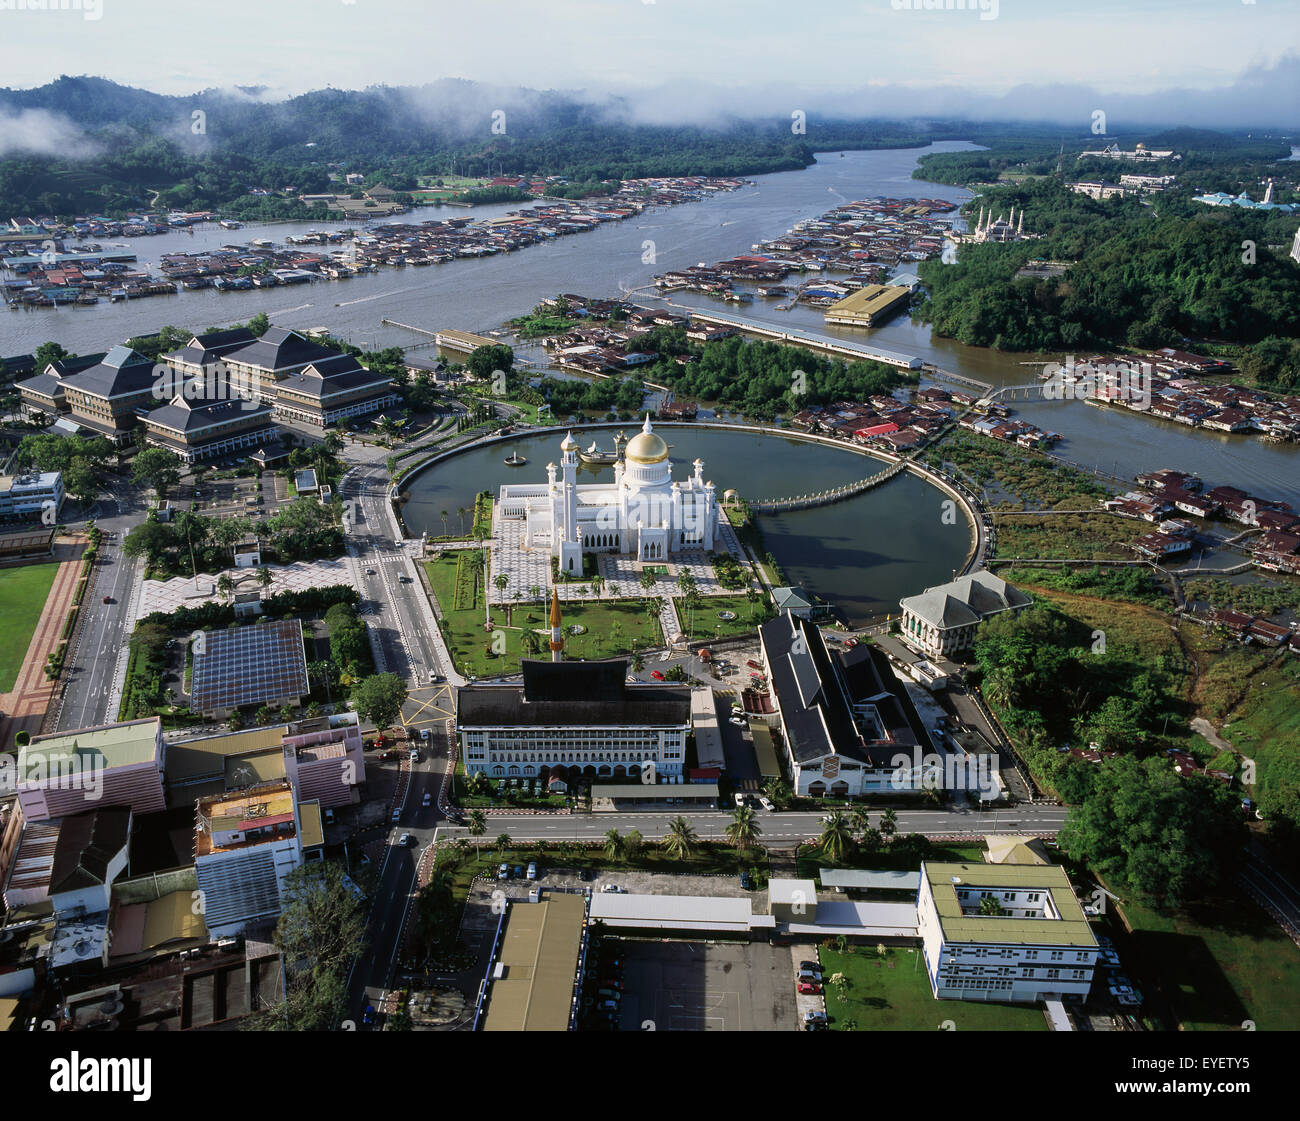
[
  {"x": 573, "y": 720},
  {"x": 644, "y": 513},
  {"x": 1035, "y": 944},
  {"x": 942, "y": 620}
]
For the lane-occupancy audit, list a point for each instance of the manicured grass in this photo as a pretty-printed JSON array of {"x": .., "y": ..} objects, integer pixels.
[
  {"x": 706, "y": 623},
  {"x": 1216, "y": 965},
  {"x": 892, "y": 993},
  {"x": 470, "y": 643},
  {"x": 23, "y": 592}
]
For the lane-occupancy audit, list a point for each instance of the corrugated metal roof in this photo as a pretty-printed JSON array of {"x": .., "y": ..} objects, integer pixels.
[{"x": 870, "y": 881}]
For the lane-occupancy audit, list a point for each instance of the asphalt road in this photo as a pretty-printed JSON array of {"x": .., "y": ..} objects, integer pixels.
[
  {"x": 710, "y": 824},
  {"x": 102, "y": 641}
]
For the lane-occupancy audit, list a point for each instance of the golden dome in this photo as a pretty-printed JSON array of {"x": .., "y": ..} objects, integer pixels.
[
  {"x": 569, "y": 444},
  {"x": 646, "y": 447}
]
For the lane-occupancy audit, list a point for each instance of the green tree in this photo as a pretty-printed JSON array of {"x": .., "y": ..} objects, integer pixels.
[
  {"x": 681, "y": 841},
  {"x": 322, "y": 924},
  {"x": 477, "y": 823},
  {"x": 156, "y": 468},
  {"x": 743, "y": 830},
  {"x": 614, "y": 844},
  {"x": 888, "y": 824},
  {"x": 837, "y": 835},
  {"x": 633, "y": 843},
  {"x": 379, "y": 698}
]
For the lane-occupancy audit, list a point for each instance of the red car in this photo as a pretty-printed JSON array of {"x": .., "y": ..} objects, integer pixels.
[
  {"x": 656, "y": 675},
  {"x": 810, "y": 987}
]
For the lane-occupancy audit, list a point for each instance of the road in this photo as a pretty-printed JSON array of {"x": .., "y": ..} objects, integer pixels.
[
  {"x": 709, "y": 825},
  {"x": 102, "y": 639}
]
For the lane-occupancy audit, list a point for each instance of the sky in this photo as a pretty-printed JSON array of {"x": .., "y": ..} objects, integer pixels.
[{"x": 1226, "y": 61}]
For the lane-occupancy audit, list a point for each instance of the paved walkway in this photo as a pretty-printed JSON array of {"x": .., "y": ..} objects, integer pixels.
[{"x": 185, "y": 591}]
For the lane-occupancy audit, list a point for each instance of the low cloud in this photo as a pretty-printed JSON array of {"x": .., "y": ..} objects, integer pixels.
[{"x": 40, "y": 132}]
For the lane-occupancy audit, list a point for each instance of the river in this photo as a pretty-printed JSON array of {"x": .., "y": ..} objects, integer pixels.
[{"x": 478, "y": 295}]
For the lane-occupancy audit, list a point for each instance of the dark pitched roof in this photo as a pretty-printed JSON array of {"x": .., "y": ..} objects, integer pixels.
[
  {"x": 339, "y": 373},
  {"x": 202, "y": 350},
  {"x": 280, "y": 349},
  {"x": 49, "y": 382},
  {"x": 185, "y": 415},
  {"x": 817, "y": 692},
  {"x": 580, "y": 694},
  {"x": 122, "y": 370},
  {"x": 86, "y": 844}
]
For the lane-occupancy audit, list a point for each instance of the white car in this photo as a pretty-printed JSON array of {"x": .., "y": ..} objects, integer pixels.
[
  {"x": 766, "y": 803},
  {"x": 403, "y": 840},
  {"x": 613, "y": 889},
  {"x": 738, "y": 722}
]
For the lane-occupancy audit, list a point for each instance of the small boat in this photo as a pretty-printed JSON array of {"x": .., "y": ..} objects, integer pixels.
[
  {"x": 230, "y": 224},
  {"x": 514, "y": 459}
]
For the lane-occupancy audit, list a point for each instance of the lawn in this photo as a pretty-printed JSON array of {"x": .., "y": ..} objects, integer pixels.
[
  {"x": 1066, "y": 536},
  {"x": 1216, "y": 965},
  {"x": 892, "y": 993},
  {"x": 23, "y": 592},
  {"x": 609, "y": 627},
  {"x": 706, "y": 623}
]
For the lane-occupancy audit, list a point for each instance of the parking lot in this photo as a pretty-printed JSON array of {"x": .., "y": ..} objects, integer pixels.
[{"x": 701, "y": 986}]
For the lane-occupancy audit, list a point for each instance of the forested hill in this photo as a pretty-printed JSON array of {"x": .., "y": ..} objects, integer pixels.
[{"x": 109, "y": 144}]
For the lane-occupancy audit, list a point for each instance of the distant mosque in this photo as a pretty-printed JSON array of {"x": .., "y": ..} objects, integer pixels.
[
  {"x": 1001, "y": 229},
  {"x": 644, "y": 513}
]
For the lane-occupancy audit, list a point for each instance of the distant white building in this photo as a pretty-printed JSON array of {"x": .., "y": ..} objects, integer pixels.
[{"x": 1034, "y": 945}]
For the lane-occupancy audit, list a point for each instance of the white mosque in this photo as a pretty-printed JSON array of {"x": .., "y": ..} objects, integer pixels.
[{"x": 644, "y": 513}]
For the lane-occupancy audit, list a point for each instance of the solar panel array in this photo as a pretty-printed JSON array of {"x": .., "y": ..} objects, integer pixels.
[{"x": 249, "y": 666}]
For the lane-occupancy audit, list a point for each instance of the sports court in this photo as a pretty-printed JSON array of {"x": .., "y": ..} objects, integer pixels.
[{"x": 701, "y": 986}]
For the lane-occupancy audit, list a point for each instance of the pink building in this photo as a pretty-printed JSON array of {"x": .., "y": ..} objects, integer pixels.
[
  {"x": 112, "y": 765},
  {"x": 324, "y": 759}
]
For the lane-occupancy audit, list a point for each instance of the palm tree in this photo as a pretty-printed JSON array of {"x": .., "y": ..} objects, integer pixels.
[
  {"x": 443, "y": 515},
  {"x": 477, "y": 823},
  {"x": 264, "y": 577},
  {"x": 837, "y": 836},
  {"x": 614, "y": 845},
  {"x": 888, "y": 824},
  {"x": 743, "y": 829},
  {"x": 502, "y": 843},
  {"x": 681, "y": 840},
  {"x": 597, "y": 585},
  {"x": 613, "y": 591},
  {"x": 633, "y": 844},
  {"x": 647, "y": 580},
  {"x": 225, "y": 584},
  {"x": 778, "y": 790},
  {"x": 460, "y": 512},
  {"x": 860, "y": 818}
]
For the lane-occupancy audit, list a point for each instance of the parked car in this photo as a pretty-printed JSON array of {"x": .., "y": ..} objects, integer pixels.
[
  {"x": 613, "y": 889},
  {"x": 809, "y": 975},
  {"x": 503, "y": 873},
  {"x": 766, "y": 803},
  {"x": 740, "y": 800},
  {"x": 586, "y": 875},
  {"x": 814, "y": 1016},
  {"x": 656, "y": 675},
  {"x": 814, "y": 966},
  {"x": 415, "y": 755},
  {"x": 609, "y": 994},
  {"x": 746, "y": 881},
  {"x": 532, "y": 867},
  {"x": 519, "y": 871},
  {"x": 368, "y": 1016},
  {"x": 812, "y": 987}
]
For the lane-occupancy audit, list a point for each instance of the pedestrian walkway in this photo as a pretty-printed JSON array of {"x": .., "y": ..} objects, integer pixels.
[{"x": 186, "y": 591}]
